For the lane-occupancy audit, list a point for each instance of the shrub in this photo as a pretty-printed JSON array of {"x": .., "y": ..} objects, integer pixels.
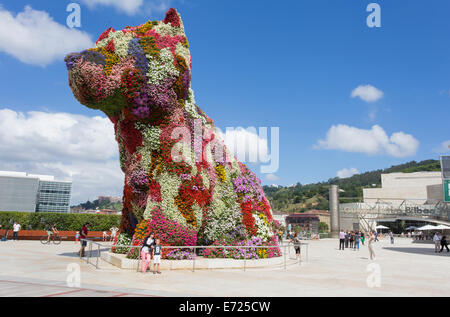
[{"x": 64, "y": 221}]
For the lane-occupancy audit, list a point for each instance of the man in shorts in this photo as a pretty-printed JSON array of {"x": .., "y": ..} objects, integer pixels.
[
  {"x": 83, "y": 235},
  {"x": 156, "y": 256}
]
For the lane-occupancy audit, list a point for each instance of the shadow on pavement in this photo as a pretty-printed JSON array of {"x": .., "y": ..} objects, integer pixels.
[
  {"x": 75, "y": 253},
  {"x": 423, "y": 251}
]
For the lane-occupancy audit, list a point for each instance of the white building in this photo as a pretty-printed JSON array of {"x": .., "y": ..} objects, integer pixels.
[
  {"x": 420, "y": 187},
  {"x": 33, "y": 193}
]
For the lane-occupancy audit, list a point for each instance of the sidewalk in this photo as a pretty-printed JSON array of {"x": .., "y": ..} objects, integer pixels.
[{"x": 406, "y": 269}]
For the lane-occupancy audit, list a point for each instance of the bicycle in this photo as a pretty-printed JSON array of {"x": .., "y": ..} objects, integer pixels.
[{"x": 54, "y": 237}]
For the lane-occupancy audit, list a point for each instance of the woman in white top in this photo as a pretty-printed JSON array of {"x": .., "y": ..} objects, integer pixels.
[
  {"x": 371, "y": 241},
  {"x": 114, "y": 231}
]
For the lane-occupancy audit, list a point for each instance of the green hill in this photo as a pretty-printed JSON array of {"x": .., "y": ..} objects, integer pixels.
[{"x": 300, "y": 198}]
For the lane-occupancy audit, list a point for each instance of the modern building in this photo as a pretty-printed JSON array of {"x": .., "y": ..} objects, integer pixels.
[
  {"x": 403, "y": 199},
  {"x": 33, "y": 193},
  {"x": 422, "y": 187}
]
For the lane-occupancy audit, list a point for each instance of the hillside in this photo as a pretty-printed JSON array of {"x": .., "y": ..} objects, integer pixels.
[{"x": 300, "y": 198}]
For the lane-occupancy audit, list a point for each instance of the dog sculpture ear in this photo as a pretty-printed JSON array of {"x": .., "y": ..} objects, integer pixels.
[{"x": 172, "y": 17}]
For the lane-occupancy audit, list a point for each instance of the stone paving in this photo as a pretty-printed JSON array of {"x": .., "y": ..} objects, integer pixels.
[{"x": 28, "y": 268}]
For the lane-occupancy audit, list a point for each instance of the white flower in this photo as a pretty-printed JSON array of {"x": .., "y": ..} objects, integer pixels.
[{"x": 161, "y": 69}]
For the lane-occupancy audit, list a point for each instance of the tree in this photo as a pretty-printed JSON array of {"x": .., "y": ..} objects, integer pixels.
[{"x": 323, "y": 227}]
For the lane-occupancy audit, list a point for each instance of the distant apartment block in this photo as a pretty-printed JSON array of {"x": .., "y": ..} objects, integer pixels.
[{"x": 33, "y": 193}]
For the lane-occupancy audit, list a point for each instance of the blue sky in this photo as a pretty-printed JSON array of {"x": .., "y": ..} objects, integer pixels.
[{"x": 291, "y": 64}]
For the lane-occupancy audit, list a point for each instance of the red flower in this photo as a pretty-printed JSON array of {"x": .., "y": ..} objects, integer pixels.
[{"x": 172, "y": 17}]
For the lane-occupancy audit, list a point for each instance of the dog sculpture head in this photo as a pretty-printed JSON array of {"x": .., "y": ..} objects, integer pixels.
[{"x": 146, "y": 69}]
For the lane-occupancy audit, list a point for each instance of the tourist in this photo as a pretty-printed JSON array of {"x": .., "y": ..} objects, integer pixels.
[
  {"x": 16, "y": 229},
  {"x": 391, "y": 235},
  {"x": 83, "y": 235},
  {"x": 51, "y": 231},
  {"x": 346, "y": 239},
  {"x": 444, "y": 243},
  {"x": 341, "y": 239},
  {"x": 371, "y": 241},
  {"x": 352, "y": 239},
  {"x": 156, "y": 256},
  {"x": 114, "y": 231},
  {"x": 363, "y": 238},
  {"x": 77, "y": 237},
  {"x": 437, "y": 242},
  {"x": 146, "y": 251},
  {"x": 375, "y": 233},
  {"x": 297, "y": 243},
  {"x": 357, "y": 238}
]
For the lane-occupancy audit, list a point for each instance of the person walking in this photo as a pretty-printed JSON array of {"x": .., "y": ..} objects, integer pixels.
[
  {"x": 296, "y": 241},
  {"x": 363, "y": 238},
  {"x": 341, "y": 239},
  {"x": 352, "y": 239},
  {"x": 16, "y": 229},
  {"x": 346, "y": 239},
  {"x": 444, "y": 243},
  {"x": 357, "y": 238},
  {"x": 375, "y": 233},
  {"x": 437, "y": 242},
  {"x": 391, "y": 235},
  {"x": 371, "y": 242},
  {"x": 83, "y": 235}
]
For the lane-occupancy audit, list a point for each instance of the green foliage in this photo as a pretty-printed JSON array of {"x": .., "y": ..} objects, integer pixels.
[
  {"x": 300, "y": 198},
  {"x": 64, "y": 222},
  {"x": 323, "y": 227}
]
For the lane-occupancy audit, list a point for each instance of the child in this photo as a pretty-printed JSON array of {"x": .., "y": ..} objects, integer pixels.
[
  {"x": 77, "y": 237},
  {"x": 156, "y": 256}
]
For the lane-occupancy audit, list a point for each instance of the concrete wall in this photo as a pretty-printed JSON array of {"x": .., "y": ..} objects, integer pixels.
[
  {"x": 421, "y": 187},
  {"x": 18, "y": 193}
]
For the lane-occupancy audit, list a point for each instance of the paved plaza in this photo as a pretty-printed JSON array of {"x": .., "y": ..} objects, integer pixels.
[{"x": 405, "y": 269}]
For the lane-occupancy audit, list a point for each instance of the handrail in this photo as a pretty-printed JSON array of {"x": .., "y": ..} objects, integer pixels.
[{"x": 91, "y": 242}]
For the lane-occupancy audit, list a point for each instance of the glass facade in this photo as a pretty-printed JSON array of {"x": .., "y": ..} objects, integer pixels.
[
  {"x": 53, "y": 196},
  {"x": 33, "y": 193}
]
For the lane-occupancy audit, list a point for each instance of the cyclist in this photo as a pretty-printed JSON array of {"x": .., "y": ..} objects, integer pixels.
[{"x": 51, "y": 231}]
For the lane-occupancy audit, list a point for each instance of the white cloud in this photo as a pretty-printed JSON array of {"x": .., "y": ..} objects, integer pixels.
[
  {"x": 131, "y": 7},
  {"x": 443, "y": 148},
  {"x": 347, "y": 172},
  {"x": 33, "y": 37},
  {"x": 70, "y": 147},
  {"x": 246, "y": 144},
  {"x": 368, "y": 93},
  {"x": 374, "y": 141},
  {"x": 272, "y": 177}
]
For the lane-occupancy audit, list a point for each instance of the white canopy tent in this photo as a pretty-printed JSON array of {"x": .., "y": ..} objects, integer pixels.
[
  {"x": 427, "y": 228},
  {"x": 442, "y": 227}
]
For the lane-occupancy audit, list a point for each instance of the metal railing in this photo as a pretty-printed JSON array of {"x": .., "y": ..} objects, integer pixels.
[{"x": 285, "y": 247}]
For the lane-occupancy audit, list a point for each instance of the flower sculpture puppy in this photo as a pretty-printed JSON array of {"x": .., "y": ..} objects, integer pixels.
[{"x": 185, "y": 187}]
